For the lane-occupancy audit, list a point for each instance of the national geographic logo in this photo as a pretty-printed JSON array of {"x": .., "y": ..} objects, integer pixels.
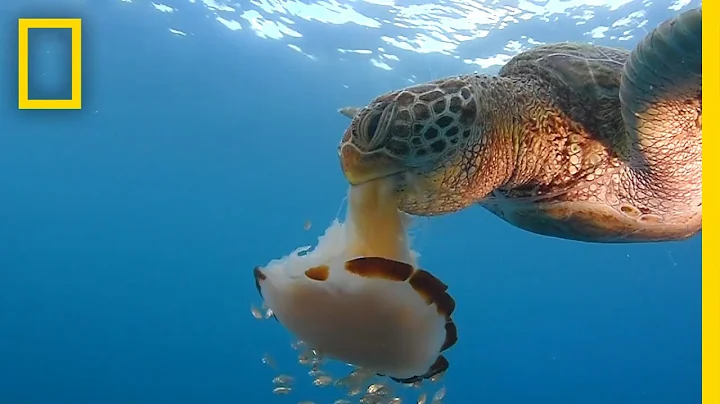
[{"x": 24, "y": 27}]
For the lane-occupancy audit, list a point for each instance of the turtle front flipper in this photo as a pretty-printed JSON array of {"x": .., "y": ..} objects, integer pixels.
[{"x": 661, "y": 91}]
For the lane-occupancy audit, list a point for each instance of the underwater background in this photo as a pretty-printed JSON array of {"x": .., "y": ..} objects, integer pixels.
[{"x": 208, "y": 141}]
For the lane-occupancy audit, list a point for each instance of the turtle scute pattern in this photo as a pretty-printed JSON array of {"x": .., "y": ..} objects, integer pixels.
[
  {"x": 426, "y": 120},
  {"x": 584, "y": 83}
]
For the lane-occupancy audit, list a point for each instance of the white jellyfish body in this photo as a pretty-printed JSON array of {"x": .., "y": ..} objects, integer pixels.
[{"x": 358, "y": 297}]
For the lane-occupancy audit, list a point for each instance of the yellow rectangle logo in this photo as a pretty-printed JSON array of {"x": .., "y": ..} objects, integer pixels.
[{"x": 24, "y": 26}]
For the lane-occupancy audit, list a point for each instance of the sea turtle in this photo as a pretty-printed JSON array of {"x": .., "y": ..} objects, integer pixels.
[{"x": 570, "y": 140}]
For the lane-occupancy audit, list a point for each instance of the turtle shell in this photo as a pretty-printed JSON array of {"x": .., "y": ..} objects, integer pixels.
[{"x": 585, "y": 83}]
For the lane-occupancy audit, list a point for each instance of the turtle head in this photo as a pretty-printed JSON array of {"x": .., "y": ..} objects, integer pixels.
[{"x": 415, "y": 135}]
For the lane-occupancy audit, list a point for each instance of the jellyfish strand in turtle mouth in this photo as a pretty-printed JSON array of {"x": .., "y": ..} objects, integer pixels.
[{"x": 360, "y": 168}]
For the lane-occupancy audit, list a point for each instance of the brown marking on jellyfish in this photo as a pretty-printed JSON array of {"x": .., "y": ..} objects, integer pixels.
[
  {"x": 319, "y": 273},
  {"x": 451, "y": 336},
  {"x": 433, "y": 290},
  {"x": 259, "y": 278},
  {"x": 381, "y": 268},
  {"x": 441, "y": 365},
  {"x": 409, "y": 380}
]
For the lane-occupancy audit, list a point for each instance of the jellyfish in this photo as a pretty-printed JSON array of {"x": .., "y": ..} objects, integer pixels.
[{"x": 359, "y": 297}]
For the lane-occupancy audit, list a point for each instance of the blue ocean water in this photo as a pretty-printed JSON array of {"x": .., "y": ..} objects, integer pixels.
[{"x": 207, "y": 139}]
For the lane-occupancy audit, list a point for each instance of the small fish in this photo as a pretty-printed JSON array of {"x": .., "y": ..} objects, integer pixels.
[
  {"x": 283, "y": 380},
  {"x": 362, "y": 374},
  {"x": 282, "y": 390},
  {"x": 422, "y": 399},
  {"x": 316, "y": 372},
  {"x": 256, "y": 313},
  {"x": 378, "y": 389},
  {"x": 323, "y": 381},
  {"x": 440, "y": 394},
  {"x": 342, "y": 401},
  {"x": 395, "y": 400},
  {"x": 436, "y": 378},
  {"x": 308, "y": 225},
  {"x": 371, "y": 399},
  {"x": 308, "y": 357},
  {"x": 354, "y": 391},
  {"x": 349, "y": 112}
]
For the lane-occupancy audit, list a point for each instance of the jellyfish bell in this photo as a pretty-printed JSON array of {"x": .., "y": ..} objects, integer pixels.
[
  {"x": 372, "y": 312},
  {"x": 358, "y": 296}
]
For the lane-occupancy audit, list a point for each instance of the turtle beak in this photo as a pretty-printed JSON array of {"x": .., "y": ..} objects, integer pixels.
[{"x": 360, "y": 167}]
